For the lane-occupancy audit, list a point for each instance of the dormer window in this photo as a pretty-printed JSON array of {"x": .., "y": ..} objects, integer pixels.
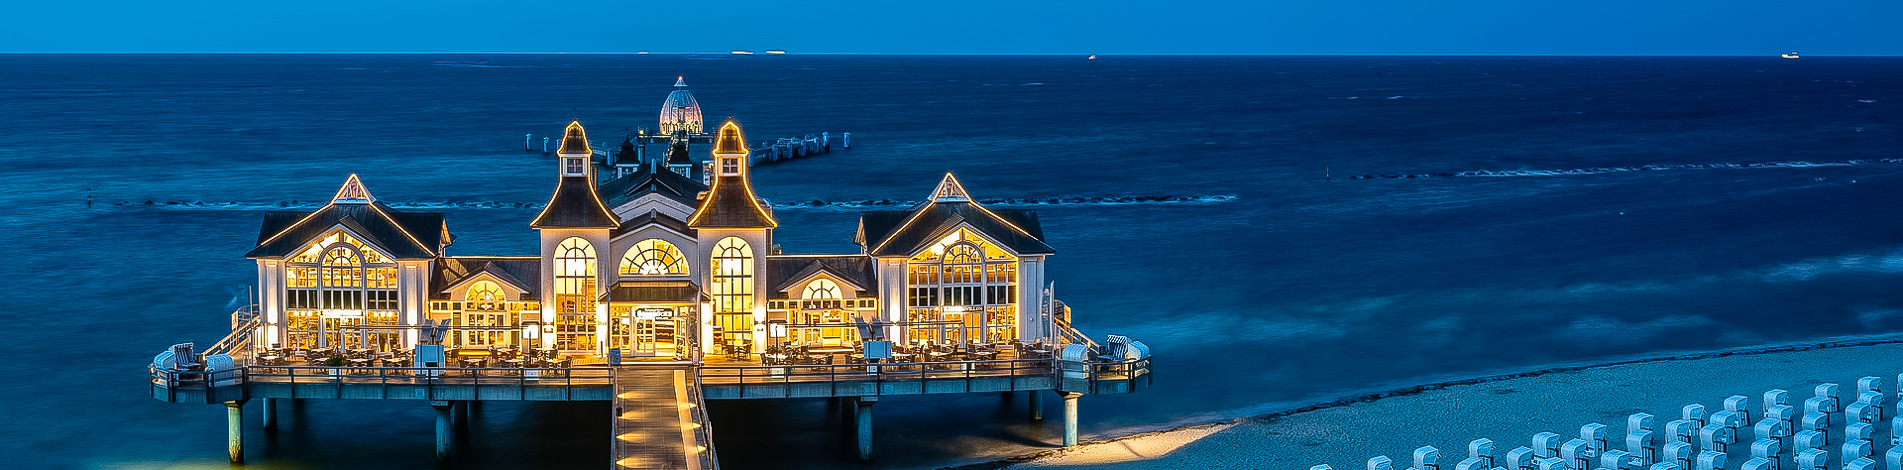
[
  {"x": 573, "y": 167},
  {"x": 729, "y": 166}
]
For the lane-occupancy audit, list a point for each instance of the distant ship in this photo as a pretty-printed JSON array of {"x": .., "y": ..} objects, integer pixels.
[
  {"x": 1092, "y": 57},
  {"x": 775, "y": 52},
  {"x": 742, "y": 52},
  {"x": 1790, "y": 55}
]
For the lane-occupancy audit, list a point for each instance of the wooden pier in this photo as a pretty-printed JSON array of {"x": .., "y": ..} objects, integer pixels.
[{"x": 659, "y": 419}]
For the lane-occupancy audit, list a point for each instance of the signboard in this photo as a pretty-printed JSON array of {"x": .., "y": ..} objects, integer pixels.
[{"x": 653, "y": 313}]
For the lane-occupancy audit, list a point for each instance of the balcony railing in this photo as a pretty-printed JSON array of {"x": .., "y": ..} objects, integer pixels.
[{"x": 743, "y": 381}]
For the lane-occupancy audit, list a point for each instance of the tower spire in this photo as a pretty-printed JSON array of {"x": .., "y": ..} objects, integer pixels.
[{"x": 730, "y": 202}]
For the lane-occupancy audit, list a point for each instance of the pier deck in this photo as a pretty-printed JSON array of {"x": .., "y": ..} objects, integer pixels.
[{"x": 658, "y": 422}]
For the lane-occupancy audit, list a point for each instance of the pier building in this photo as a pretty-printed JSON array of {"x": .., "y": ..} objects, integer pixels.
[{"x": 657, "y": 285}]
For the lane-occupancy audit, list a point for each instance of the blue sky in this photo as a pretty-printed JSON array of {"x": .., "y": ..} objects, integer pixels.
[{"x": 1852, "y": 27}]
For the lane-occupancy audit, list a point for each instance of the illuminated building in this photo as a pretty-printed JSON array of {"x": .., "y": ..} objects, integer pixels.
[{"x": 657, "y": 258}]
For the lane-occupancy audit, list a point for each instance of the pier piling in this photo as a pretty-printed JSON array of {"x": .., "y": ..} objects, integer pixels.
[
  {"x": 1037, "y": 404},
  {"x": 1070, "y": 418},
  {"x": 445, "y": 431},
  {"x": 270, "y": 418},
  {"x": 864, "y": 409},
  {"x": 234, "y": 430}
]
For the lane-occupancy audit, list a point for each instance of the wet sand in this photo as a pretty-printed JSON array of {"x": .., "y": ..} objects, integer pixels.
[{"x": 1508, "y": 409}]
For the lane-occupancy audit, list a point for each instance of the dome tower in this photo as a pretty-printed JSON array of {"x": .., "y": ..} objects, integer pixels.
[{"x": 680, "y": 113}]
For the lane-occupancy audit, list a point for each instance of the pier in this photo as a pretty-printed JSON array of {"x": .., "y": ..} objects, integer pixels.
[{"x": 659, "y": 405}]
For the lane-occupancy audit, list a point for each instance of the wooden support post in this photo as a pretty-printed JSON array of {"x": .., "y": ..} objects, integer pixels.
[
  {"x": 270, "y": 419},
  {"x": 445, "y": 430},
  {"x": 864, "y": 406},
  {"x": 1037, "y": 404},
  {"x": 1070, "y": 418},
  {"x": 234, "y": 430}
]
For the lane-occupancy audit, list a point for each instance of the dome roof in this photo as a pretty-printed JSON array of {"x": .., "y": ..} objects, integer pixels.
[{"x": 680, "y": 112}]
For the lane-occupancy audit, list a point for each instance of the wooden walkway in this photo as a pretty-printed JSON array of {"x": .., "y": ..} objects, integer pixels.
[{"x": 659, "y": 421}]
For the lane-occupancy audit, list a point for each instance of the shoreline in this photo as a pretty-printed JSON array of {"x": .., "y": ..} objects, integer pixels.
[{"x": 1175, "y": 436}]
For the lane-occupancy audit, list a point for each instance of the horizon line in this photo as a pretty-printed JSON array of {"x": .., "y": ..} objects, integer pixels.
[{"x": 993, "y": 54}]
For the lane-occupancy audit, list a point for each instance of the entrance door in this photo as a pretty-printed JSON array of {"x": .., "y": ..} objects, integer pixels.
[{"x": 644, "y": 332}]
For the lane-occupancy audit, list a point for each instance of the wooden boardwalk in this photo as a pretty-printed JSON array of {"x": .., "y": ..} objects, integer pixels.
[{"x": 659, "y": 423}]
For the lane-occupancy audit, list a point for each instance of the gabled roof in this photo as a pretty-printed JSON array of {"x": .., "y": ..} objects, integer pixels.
[
  {"x": 646, "y": 181},
  {"x": 575, "y": 205},
  {"x": 903, "y": 233},
  {"x": 653, "y": 217},
  {"x": 404, "y": 235},
  {"x": 730, "y": 202},
  {"x": 523, "y": 273},
  {"x": 782, "y": 271}
]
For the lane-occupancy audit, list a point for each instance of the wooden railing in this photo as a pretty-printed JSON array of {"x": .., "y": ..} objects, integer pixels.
[{"x": 244, "y": 322}]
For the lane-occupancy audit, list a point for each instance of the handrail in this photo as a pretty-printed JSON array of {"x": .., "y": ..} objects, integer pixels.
[
  {"x": 1070, "y": 335},
  {"x": 743, "y": 375},
  {"x": 245, "y": 321}
]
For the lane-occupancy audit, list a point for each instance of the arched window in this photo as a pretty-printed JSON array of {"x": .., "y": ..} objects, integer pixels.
[
  {"x": 653, "y": 257},
  {"x": 963, "y": 288},
  {"x": 485, "y": 319},
  {"x": 484, "y": 296},
  {"x": 821, "y": 289},
  {"x": 732, "y": 266},
  {"x": 575, "y": 295},
  {"x": 336, "y": 290}
]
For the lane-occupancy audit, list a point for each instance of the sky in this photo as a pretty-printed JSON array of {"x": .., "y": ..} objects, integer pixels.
[{"x": 1273, "y": 27}]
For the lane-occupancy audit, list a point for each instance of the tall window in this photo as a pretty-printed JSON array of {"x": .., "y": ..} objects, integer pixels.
[
  {"x": 343, "y": 282},
  {"x": 733, "y": 276},
  {"x": 732, "y": 291},
  {"x": 962, "y": 289},
  {"x": 653, "y": 257},
  {"x": 575, "y": 295}
]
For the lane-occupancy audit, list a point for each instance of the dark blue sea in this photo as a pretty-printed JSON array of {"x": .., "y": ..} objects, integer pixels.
[{"x": 1328, "y": 225}]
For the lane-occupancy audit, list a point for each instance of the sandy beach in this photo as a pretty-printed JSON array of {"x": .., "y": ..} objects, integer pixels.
[{"x": 1508, "y": 409}]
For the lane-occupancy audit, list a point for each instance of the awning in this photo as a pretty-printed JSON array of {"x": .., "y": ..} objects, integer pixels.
[{"x": 683, "y": 292}]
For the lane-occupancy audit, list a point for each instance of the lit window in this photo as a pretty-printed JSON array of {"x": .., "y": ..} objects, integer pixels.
[
  {"x": 575, "y": 295},
  {"x": 653, "y": 257}
]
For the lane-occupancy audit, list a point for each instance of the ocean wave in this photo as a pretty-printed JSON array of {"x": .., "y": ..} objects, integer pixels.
[
  {"x": 815, "y": 204},
  {"x": 1624, "y": 169}
]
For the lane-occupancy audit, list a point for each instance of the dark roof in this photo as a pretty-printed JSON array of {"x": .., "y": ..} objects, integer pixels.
[
  {"x": 402, "y": 235},
  {"x": 885, "y": 233},
  {"x": 574, "y": 140},
  {"x": 677, "y": 154},
  {"x": 632, "y": 186},
  {"x": 781, "y": 271},
  {"x": 626, "y": 155},
  {"x": 730, "y": 204},
  {"x": 729, "y": 140},
  {"x": 654, "y": 291},
  {"x": 653, "y": 217},
  {"x": 575, "y": 204},
  {"x": 523, "y": 273}
]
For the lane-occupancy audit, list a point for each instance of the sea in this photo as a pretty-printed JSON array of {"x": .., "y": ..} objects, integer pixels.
[{"x": 1278, "y": 230}]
